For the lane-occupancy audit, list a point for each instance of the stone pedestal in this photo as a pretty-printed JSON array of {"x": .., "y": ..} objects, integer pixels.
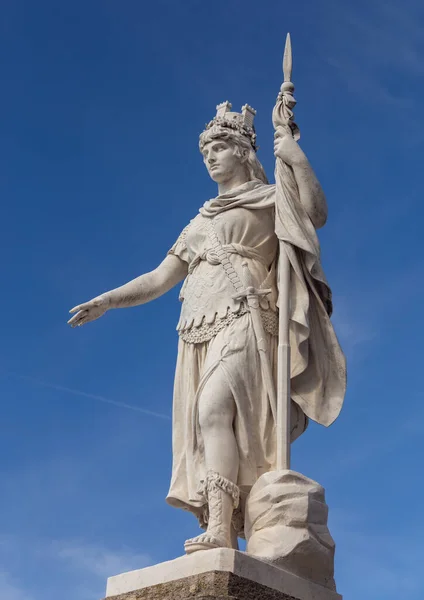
[{"x": 220, "y": 574}]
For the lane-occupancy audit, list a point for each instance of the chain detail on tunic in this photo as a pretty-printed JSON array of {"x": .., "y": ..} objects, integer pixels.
[{"x": 206, "y": 331}]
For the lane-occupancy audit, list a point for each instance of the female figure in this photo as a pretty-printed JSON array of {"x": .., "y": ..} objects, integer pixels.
[{"x": 224, "y": 434}]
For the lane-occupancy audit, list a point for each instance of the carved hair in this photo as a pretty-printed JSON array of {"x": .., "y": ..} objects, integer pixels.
[{"x": 242, "y": 147}]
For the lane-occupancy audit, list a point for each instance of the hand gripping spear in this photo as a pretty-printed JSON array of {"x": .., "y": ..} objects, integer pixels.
[{"x": 282, "y": 118}]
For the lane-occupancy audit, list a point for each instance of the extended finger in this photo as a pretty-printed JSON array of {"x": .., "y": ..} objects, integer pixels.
[
  {"x": 76, "y": 318},
  {"x": 83, "y": 306},
  {"x": 76, "y": 308},
  {"x": 86, "y": 318},
  {"x": 78, "y": 323}
]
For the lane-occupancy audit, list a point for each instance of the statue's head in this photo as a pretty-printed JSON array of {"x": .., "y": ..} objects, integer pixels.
[{"x": 228, "y": 145}]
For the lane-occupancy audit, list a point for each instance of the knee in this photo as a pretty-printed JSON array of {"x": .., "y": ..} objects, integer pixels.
[{"x": 215, "y": 417}]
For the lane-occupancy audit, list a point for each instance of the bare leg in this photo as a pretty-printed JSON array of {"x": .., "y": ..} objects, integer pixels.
[{"x": 216, "y": 415}]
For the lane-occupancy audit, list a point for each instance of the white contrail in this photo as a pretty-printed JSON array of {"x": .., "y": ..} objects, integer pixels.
[{"x": 62, "y": 388}]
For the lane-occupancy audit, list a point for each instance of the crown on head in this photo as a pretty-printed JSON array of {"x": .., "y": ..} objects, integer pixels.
[{"x": 243, "y": 123}]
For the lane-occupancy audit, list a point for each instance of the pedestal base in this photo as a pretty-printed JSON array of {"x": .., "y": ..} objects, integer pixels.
[{"x": 220, "y": 574}]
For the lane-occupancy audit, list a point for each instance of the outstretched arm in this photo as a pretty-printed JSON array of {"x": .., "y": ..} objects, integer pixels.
[
  {"x": 150, "y": 285},
  {"x": 138, "y": 291},
  {"x": 310, "y": 191}
]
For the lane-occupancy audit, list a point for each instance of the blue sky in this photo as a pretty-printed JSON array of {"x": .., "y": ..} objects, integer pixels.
[{"x": 102, "y": 103}]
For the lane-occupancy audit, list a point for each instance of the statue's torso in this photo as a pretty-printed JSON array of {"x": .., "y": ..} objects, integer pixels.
[{"x": 207, "y": 293}]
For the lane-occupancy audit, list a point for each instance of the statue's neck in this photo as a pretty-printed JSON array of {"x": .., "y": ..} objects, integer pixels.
[{"x": 234, "y": 182}]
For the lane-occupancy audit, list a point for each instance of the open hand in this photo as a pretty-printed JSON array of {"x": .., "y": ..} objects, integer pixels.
[
  {"x": 89, "y": 311},
  {"x": 286, "y": 147}
]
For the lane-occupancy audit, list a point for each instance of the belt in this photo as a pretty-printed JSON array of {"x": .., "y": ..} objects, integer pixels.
[{"x": 212, "y": 258}]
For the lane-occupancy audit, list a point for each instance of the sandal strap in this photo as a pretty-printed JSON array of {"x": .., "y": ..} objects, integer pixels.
[{"x": 214, "y": 480}]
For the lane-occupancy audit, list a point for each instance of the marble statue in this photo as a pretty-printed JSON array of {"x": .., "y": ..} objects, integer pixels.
[{"x": 250, "y": 263}]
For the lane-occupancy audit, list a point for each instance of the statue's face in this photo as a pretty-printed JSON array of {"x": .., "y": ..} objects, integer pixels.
[{"x": 221, "y": 161}]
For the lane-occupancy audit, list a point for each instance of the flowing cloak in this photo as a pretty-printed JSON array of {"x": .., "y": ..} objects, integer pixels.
[{"x": 318, "y": 366}]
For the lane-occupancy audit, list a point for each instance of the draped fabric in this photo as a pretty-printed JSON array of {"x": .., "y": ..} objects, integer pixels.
[
  {"x": 249, "y": 226},
  {"x": 318, "y": 366},
  {"x": 215, "y": 367}
]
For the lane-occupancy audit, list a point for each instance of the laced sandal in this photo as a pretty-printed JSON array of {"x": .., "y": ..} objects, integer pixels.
[{"x": 223, "y": 497}]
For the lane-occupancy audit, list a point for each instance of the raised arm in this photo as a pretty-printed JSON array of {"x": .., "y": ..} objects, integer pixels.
[
  {"x": 310, "y": 191},
  {"x": 138, "y": 291}
]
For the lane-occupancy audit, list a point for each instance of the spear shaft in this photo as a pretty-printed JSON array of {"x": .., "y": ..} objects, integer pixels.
[{"x": 283, "y": 118}]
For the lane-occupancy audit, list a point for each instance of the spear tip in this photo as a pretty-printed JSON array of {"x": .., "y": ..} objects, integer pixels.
[{"x": 288, "y": 59}]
